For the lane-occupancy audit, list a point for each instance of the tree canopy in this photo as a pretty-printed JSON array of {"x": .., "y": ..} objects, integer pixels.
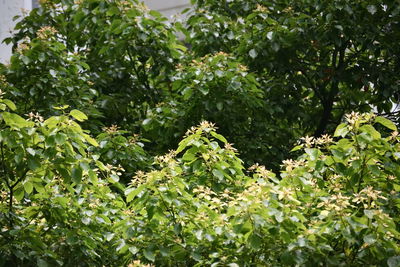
[{"x": 116, "y": 135}]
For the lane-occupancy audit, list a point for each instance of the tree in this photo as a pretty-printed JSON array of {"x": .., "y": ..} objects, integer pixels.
[
  {"x": 314, "y": 61},
  {"x": 117, "y": 174}
]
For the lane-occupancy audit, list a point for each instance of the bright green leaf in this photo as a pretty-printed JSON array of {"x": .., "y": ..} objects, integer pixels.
[
  {"x": 78, "y": 115},
  {"x": 387, "y": 123}
]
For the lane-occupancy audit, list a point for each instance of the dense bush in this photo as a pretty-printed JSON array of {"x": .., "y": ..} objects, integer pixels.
[{"x": 101, "y": 166}]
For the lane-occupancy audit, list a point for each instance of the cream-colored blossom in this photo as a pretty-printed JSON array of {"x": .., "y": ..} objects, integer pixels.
[
  {"x": 113, "y": 129},
  {"x": 46, "y": 32},
  {"x": 34, "y": 117}
]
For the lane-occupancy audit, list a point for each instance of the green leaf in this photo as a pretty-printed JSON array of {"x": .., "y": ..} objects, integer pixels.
[
  {"x": 296, "y": 148},
  {"x": 112, "y": 11},
  {"x": 218, "y": 174},
  {"x": 25, "y": 59},
  {"x": 91, "y": 140},
  {"x": 76, "y": 174},
  {"x": 131, "y": 193},
  {"x": 369, "y": 129},
  {"x": 371, "y": 9},
  {"x": 33, "y": 163},
  {"x": 341, "y": 130},
  {"x": 52, "y": 122},
  {"x": 133, "y": 250},
  {"x": 60, "y": 138},
  {"x": 28, "y": 187},
  {"x": 42, "y": 263},
  {"x": 16, "y": 121},
  {"x": 369, "y": 239},
  {"x": 61, "y": 107},
  {"x": 253, "y": 53},
  {"x": 189, "y": 155},
  {"x": 10, "y": 104},
  {"x": 86, "y": 220},
  {"x": 394, "y": 261},
  {"x": 19, "y": 193},
  {"x": 149, "y": 254},
  {"x": 31, "y": 151},
  {"x": 219, "y": 137},
  {"x": 387, "y": 123},
  {"x": 183, "y": 144},
  {"x": 78, "y": 115},
  {"x": 255, "y": 241},
  {"x": 312, "y": 152}
]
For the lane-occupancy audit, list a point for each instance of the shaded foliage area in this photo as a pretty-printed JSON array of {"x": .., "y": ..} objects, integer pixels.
[{"x": 101, "y": 166}]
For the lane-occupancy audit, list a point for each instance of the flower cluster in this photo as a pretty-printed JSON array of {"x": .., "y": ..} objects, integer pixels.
[
  {"x": 291, "y": 164},
  {"x": 114, "y": 170},
  {"x": 352, "y": 118},
  {"x": 134, "y": 139},
  {"x": 311, "y": 141},
  {"x": 167, "y": 159},
  {"x": 138, "y": 179},
  {"x": 394, "y": 135},
  {"x": 261, "y": 171},
  {"x": 368, "y": 197},
  {"x": 337, "y": 202},
  {"x": 46, "y": 32},
  {"x": 137, "y": 263},
  {"x": 230, "y": 147},
  {"x": 3, "y": 83},
  {"x": 206, "y": 126},
  {"x": 34, "y": 117},
  {"x": 112, "y": 130},
  {"x": 261, "y": 8},
  {"x": 22, "y": 47}
]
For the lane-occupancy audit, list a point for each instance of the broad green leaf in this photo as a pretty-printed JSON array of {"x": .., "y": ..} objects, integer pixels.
[
  {"x": 78, "y": 115},
  {"x": 19, "y": 193},
  {"x": 219, "y": 137},
  {"x": 93, "y": 176},
  {"x": 16, "y": 121},
  {"x": 131, "y": 193},
  {"x": 394, "y": 261},
  {"x": 86, "y": 220},
  {"x": 42, "y": 263},
  {"x": 387, "y": 123},
  {"x": 312, "y": 152},
  {"x": 184, "y": 143},
  {"x": 341, "y": 130},
  {"x": 90, "y": 140},
  {"x": 133, "y": 250},
  {"x": 33, "y": 163},
  {"x": 149, "y": 254},
  {"x": 76, "y": 174},
  {"x": 28, "y": 187},
  {"x": 60, "y": 138},
  {"x": 39, "y": 187},
  {"x": 10, "y": 104},
  {"x": 217, "y": 173},
  {"x": 369, "y": 129},
  {"x": 189, "y": 155},
  {"x": 112, "y": 11},
  {"x": 52, "y": 122},
  {"x": 255, "y": 241}
]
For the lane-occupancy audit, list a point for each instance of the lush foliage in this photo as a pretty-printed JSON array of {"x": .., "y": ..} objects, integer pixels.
[{"x": 98, "y": 167}]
